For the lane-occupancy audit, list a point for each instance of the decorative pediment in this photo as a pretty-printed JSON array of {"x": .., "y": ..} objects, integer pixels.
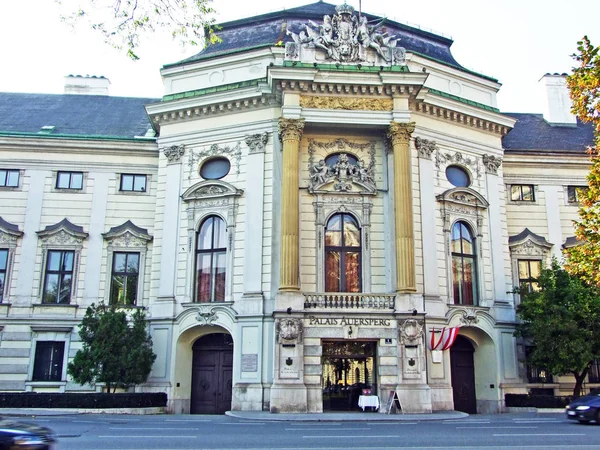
[
  {"x": 127, "y": 235},
  {"x": 463, "y": 196},
  {"x": 528, "y": 243},
  {"x": 348, "y": 173},
  {"x": 572, "y": 241},
  {"x": 211, "y": 189},
  {"x": 9, "y": 233},
  {"x": 63, "y": 233}
]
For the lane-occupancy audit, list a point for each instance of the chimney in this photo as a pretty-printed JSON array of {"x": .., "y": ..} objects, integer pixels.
[
  {"x": 557, "y": 103},
  {"x": 86, "y": 85}
]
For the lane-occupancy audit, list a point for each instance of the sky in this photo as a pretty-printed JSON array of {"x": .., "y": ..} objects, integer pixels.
[{"x": 514, "y": 41}]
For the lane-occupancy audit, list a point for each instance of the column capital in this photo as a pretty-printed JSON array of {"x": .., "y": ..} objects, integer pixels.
[
  {"x": 174, "y": 153},
  {"x": 256, "y": 142},
  {"x": 491, "y": 163},
  {"x": 291, "y": 129},
  {"x": 399, "y": 133}
]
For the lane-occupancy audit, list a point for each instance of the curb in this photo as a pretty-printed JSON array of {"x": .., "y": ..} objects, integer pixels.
[{"x": 32, "y": 412}]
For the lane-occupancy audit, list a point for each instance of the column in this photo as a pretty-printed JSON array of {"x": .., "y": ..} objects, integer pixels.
[
  {"x": 170, "y": 231},
  {"x": 399, "y": 134},
  {"x": 290, "y": 133}
]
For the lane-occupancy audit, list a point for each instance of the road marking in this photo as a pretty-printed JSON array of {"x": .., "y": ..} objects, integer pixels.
[
  {"x": 327, "y": 429},
  {"x": 325, "y": 424},
  {"x": 394, "y": 423},
  {"x": 119, "y": 436},
  {"x": 516, "y": 427},
  {"x": 240, "y": 423},
  {"x": 151, "y": 428},
  {"x": 345, "y": 436},
  {"x": 187, "y": 420},
  {"x": 450, "y": 422},
  {"x": 540, "y": 434}
]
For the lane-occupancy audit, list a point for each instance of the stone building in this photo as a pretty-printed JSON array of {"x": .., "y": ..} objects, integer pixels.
[{"x": 308, "y": 204}]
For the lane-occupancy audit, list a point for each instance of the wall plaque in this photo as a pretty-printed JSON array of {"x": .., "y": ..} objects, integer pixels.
[{"x": 250, "y": 363}]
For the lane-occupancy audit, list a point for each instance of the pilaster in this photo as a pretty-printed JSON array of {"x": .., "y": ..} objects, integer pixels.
[
  {"x": 290, "y": 133},
  {"x": 399, "y": 135}
]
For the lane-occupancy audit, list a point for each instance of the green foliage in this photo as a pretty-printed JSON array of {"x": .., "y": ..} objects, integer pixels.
[
  {"x": 563, "y": 321},
  {"x": 584, "y": 85},
  {"x": 116, "y": 350},
  {"x": 122, "y": 22}
]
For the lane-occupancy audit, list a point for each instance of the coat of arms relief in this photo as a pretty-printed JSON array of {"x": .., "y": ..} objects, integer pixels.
[{"x": 345, "y": 38}]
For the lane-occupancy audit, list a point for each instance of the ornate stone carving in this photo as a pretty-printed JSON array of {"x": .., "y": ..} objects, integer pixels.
[
  {"x": 233, "y": 152},
  {"x": 425, "y": 147},
  {"x": 346, "y": 38},
  {"x": 360, "y": 104},
  {"x": 206, "y": 315},
  {"x": 289, "y": 329},
  {"x": 63, "y": 233},
  {"x": 491, "y": 163},
  {"x": 290, "y": 129},
  {"x": 399, "y": 133},
  {"x": 256, "y": 142},
  {"x": 8, "y": 239},
  {"x": 446, "y": 159},
  {"x": 344, "y": 172},
  {"x": 410, "y": 331},
  {"x": 174, "y": 153},
  {"x": 469, "y": 317}
]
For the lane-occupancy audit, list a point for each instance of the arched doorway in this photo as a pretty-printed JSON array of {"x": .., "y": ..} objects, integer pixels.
[
  {"x": 212, "y": 369},
  {"x": 463, "y": 375}
]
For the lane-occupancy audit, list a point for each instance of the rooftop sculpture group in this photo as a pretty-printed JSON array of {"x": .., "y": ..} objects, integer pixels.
[{"x": 345, "y": 38}]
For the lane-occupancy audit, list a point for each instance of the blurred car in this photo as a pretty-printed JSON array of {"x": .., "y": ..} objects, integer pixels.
[
  {"x": 16, "y": 435},
  {"x": 586, "y": 408}
]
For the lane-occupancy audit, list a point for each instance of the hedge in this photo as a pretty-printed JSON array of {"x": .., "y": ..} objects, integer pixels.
[
  {"x": 536, "y": 401},
  {"x": 82, "y": 401}
]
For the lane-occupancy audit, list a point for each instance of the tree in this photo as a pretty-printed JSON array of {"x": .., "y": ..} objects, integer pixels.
[
  {"x": 116, "y": 351},
  {"x": 584, "y": 85},
  {"x": 122, "y": 22},
  {"x": 563, "y": 320}
]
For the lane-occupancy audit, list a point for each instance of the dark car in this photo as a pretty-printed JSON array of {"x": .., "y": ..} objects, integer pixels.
[
  {"x": 586, "y": 408},
  {"x": 25, "y": 436}
]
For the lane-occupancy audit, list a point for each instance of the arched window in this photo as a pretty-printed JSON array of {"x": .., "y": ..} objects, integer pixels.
[
  {"x": 464, "y": 265},
  {"x": 342, "y": 254},
  {"x": 211, "y": 249}
]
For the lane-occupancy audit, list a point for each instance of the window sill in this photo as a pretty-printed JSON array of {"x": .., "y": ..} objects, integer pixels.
[{"x": 55, "y": 305}]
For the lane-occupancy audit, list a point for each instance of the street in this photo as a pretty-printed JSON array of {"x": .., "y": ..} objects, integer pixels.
[{"x": 507, "y": 431}]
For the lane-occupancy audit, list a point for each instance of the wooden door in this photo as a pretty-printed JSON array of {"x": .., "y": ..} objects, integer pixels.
[
  {"x": 212, "y": 374},
  {"x": 463, "y": 375}
]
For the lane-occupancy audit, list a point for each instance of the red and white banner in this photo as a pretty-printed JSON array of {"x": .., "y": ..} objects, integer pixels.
[{"x": 442, "y": 338}]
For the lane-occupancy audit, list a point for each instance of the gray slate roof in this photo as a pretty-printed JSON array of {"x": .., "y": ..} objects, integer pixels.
[
  {"x": 532, "y": 133},
  {"x": 79, "y": 115},
  {"x": 269, "y": 29}
]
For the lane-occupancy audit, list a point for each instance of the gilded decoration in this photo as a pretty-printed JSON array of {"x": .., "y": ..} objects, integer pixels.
[
  {"x": 289, "y": 329},
  {"x": 174, "y": 153},
  {"x": 491, "y": 163},
  {"x": 359, "y": 104},
  {"x": 344, "y": 173},
  {"x": 291, "y": 129},
  {"x": 400, "y": 133},
  {"x": 231, "y": 151},
  {"x": 425, "y": 147},
  {"x": 410, "y": 331},
  {"x": 256, "y": 142},
  {"x": 346, "y": 37}
]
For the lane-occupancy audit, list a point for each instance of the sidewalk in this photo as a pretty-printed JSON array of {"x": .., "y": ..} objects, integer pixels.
[{"x": 346, "y": 417}]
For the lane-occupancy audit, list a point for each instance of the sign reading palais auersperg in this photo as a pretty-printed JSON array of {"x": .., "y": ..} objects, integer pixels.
[{"x": 342, "y": 321}]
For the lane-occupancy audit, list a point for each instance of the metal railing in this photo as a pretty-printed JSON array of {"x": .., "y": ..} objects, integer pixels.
[{"x": 348, "y": 300}]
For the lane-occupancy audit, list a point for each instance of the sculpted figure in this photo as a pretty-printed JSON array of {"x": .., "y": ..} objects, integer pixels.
[{"x": 319, "y": 172}]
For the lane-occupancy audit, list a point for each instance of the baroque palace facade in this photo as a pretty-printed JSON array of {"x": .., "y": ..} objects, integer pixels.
[{"x": 310, "y": 201}]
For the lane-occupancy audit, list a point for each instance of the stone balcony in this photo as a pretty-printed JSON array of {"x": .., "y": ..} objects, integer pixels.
[{"x": 346, "y": 301}]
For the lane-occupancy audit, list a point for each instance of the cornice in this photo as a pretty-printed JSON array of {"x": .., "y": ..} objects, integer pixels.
[{"x": 36, "y": 144}]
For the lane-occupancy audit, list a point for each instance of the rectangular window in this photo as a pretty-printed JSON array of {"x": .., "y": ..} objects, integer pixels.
[
  {"x": 133, "y": 183},
  {"x": 529, "y": 272},
  {"x": 522, "y": 193},
  {"x": 536, "y": 374},
  {"x": 59, "y": 277},
  {"x": 575, "y": 193},
  {"x": 69, "y": 180},
  {"x": 3, "y": 268},
  {"x": 48, "y": 362},
  {"x": 124, "y": 282},
  {"x": 9, "y": 178}
]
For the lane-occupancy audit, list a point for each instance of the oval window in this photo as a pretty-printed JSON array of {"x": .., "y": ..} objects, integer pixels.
[
  {"x": 215, "y": 168},
  {"x": 458, "y": 176}
]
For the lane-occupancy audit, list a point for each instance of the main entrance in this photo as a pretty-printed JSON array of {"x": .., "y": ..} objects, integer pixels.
[
  {"x": 462, "y": 368},
  {"x": 348, "y": 368},
  {"x": 212, "y": 374}
]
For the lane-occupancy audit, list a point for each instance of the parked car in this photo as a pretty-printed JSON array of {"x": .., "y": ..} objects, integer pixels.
[
  {"x": 15, "y": 435},
  {"x": 586, "y": 408}
]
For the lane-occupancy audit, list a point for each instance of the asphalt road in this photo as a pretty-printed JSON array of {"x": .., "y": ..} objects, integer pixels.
[{"x": 507, "y": 431}]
